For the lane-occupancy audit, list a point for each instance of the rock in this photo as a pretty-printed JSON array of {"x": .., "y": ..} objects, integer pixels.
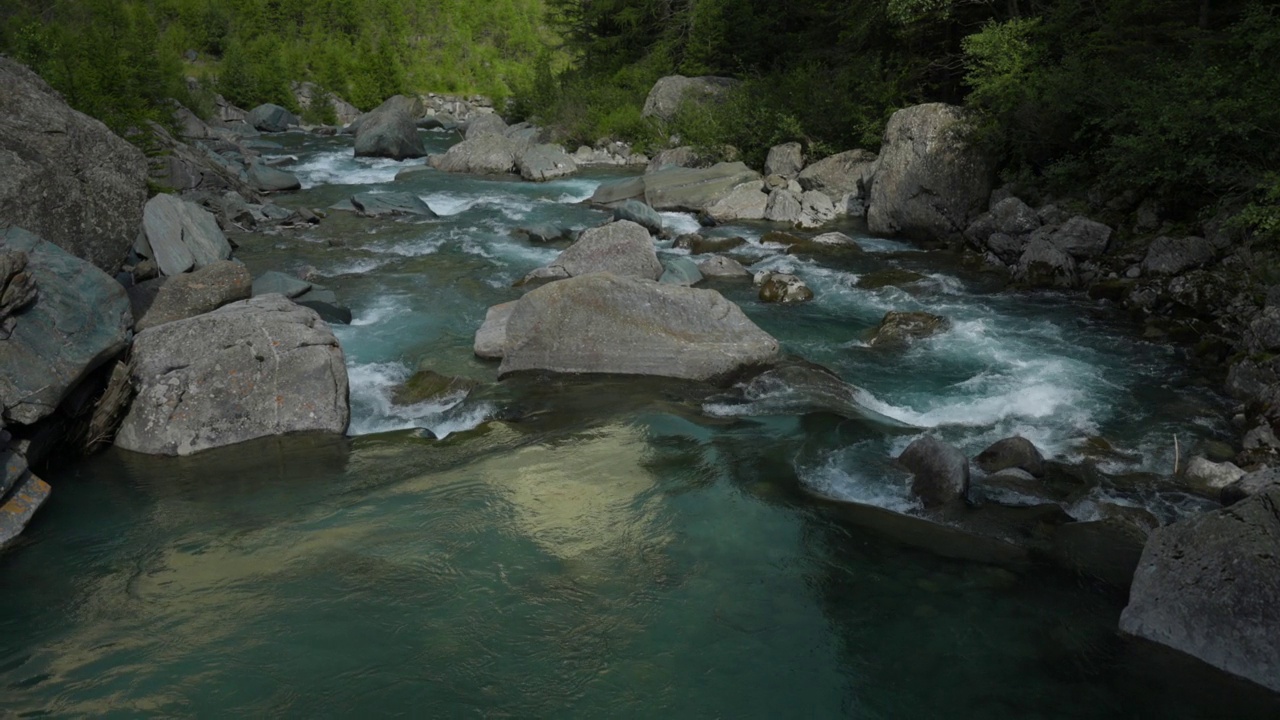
[
  {"x": 681, "y": 271},
  {"x": 798, "y": 387},
  {"x": 640, "y": 214},
  {"x": 156, "y": 302},
  {"x": 187, "y": 168},
  {"x": 1014, "y": 452},
  {"x": 1044, "y": 264},
  {"x": 19, "y": 506},
  {"x": 66, "y": 177},
  {"x": 1081, "y": 238},
  {"x": 545, "y": 162},
  {"x": 786, "y": 160},
  {"x": 426, "y": 385},
  {"x": 618, "y": 190},
  {"x": 832, "y": 244},
  {"x": 900, "y": 328},
  {"x": 783, "y": 288},
  {"x": 783, "y": 206},
  {"x": 389, "y": 131},
  {"x": 888, "y": 277},
  {"x": 1009, "y": 217},
  {"x": 485, "y": 155},
  {"x": 721, "y": 267},
  {"x": 670, "y": 92},
  {"x": 181, "y": 235},
  {"x": 278, "y": 283},
  {"x": 271, "y": 118},
  {"x": 1007, "y": 248},
  {"x": 1174, "y": 256},
  {"x": 1250, "y": 485},
  {"x": 602, "y": 323},
  {"x": 941, "y": 472},
  {"x": 816, "y": 210},
  {"x": 844, "y": 174},
  {"x": 622, "y": 248},
  {"x": 1209, "y": 585},
  {"x": 325, "y": 304},
  {"x": 683, "y": 156},
  {"x": 17, "y": 287},
  {"x": 929, "y": 182},
  {"x": 546, "y": 233},
  {"x": 79, "y": 320},
  {"x": 693, "y": 190},
  {"x": 698, "y": 245},
  {"x": 1210, "y": 477},
  {"x": 744, "y": 202},
  {"x": 189, "y": 124},
  {"x": 251, "y": 369},
  {"x": 485, "y": 124},
  {"x": 491, "y": 338},
  {"x": 1016, "y": 488},
  {"x": 265, "y": 178},
  {"x": 390, "y": 203}
]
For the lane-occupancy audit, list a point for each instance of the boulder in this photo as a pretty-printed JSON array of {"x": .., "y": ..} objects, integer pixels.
[
  {"x": 1081, "y": 238},
  {"x": 698, "y": 245},
  {"x": 683, "y": 156},
  {"x": 1209, "y": 586},
  {"x": 1250, "y": 485},
  {"x": 693, "y": 190},
  {"x": 783, "y": 206},
  {"x": 389, "y": 131},
  {"x": 1173, "y": 256},
  {"x": 272, "y": 282},
  {"x": 670, "y": 92},
  {"x": 66, "y": 177},
  {"x": 484, "y": 155},
  {"x": 900, "y": 328},
  {"x": 1044, "y": 264},
  {"x": 80, "y": 318},
  {"x": 251, "y": 369},
  {"x": 264, "y": 178},
  {"x": 680, "y": 271},
  {"x": 816, "y": 209},
  {"x": 721, "y": 267},
  {"x": 602, "y": 323},
  {"x": 180, "y": 235},
  {"x": 640, "y": 214},
  {"x": 940, "y": 472},
  {"x": 782, "y": 288},
  {"x": 16, "y": 509},
  {"x": 491, "y": 338},
  {"x": 1009, "y": 216},
  {"x": 618, "y": 190},
  {"x": 545, "y": 162},
  {"x": 794, "y": 387},
  {"x": 747, "y": 201},
  {"x": 186, "y": 168},
  {"x": 622, "y": 248},
  {"x": 930, "y": 182},
  {"x": 156, "y": 302},
  {"x": 888, "y": 277},
  {"x": 390, "y": 203},
  {"x": 1210, "y": 477},
  {"x": 1014, "y": 452},
  {"x": 427, "y": 385},
  {"x": 844, "y": 174},
  {"x": 786, "y": 160},
  {"x": 485, "y": 124},
  {"x": 325, "y": 303},
  {"x": 271, "y": 118}
]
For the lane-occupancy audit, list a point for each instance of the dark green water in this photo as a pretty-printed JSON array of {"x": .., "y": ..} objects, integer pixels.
[{"x": 620, "y": 551}]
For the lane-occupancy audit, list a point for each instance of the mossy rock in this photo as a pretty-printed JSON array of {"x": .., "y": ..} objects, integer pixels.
[
  {"x": 899, "y": 328},
  {"x": 699, "y": 245},
  {"x": 888, "y": 277},
  {"x": 426, "y": 385}
]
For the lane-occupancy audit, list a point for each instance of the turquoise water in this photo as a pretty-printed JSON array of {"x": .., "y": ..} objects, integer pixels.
[{"x": 597, "y": 547}]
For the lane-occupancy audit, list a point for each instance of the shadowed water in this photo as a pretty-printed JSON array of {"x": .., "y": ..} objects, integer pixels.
[{"x": 617, "y": 551}]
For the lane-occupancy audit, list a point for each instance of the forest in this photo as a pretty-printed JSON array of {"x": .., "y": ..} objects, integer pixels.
[{"x": 1167, "y": 100}]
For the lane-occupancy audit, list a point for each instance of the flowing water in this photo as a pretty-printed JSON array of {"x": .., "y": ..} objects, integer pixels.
[{"x": 599, "y": 547}]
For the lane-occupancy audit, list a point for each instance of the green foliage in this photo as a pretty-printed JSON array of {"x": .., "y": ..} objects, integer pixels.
[{"x": 1261, "y": 217}]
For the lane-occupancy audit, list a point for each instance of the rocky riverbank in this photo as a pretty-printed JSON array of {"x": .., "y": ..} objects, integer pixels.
[{"x": 182, "y": 351}]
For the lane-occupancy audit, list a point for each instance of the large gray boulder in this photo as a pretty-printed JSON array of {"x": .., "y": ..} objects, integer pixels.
[
  {"x": 390, "y": 130},
  {"x": 940, "y": 472},
  {"x": 603, "y": 323},
  {"x": 930, "y": 182},
  {"x": 491, "y": 338},
  {"x": 545, "y": 162},
  {"x": 786, "y": 160},
  {"x": 66, "y": 177},
  {"x": 264, "y": 178},
  {"x": 841, "y": 175},
  {"x": 694, "y": 189},
  {"x": 181, "y": 235},
  {"x": 670, "y": 92},
  {"x": 1081, "y": 238},
  {"x": 622, "y": 248},
  {"x": 254, "y": 368},
  {"x": 747, "y": 201},
  {"x": 1012, "y": 452},
  {"x": 167, "y": 299},
  {"x": 489, "y": 154},
  {"x": 683, "y": 156},
  {"x": 1172, "y": 256},
  {"x": 640, "y": 214},
  {"x": 485, "y": 124},
  {"x": 390, "y": 203},
  {"x": 1209, "y": 586},
  {"x": 79, "y": 319},
  {"x": 271, "y": 118},
  {"x": 1044, "y": 264}
]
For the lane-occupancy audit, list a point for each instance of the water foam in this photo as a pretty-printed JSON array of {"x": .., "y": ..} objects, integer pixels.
[{"x": 372, "y": 410}]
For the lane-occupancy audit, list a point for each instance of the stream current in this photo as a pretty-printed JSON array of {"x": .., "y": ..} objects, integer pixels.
[{"x": 630, "y": 547}]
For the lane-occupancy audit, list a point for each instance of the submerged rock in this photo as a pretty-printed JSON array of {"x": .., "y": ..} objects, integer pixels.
[
  {"x": 602, "y": 323},
  {"x": 698, "y": 245},
  {"x": 900, "y": 328},
  {"x": 888, "y": 277},
  {"x": 80, "y": 318},
  {"x": 1013, "y": 452},
  {"x": 1209, "y": 586},
  {"x": 940, "y": 472},
  {"x": 427, "y": 384},
  {"x": 798, "y": 387},
  {"x": 782, "y": 288},
  {"x": 254, "y": 368}
]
